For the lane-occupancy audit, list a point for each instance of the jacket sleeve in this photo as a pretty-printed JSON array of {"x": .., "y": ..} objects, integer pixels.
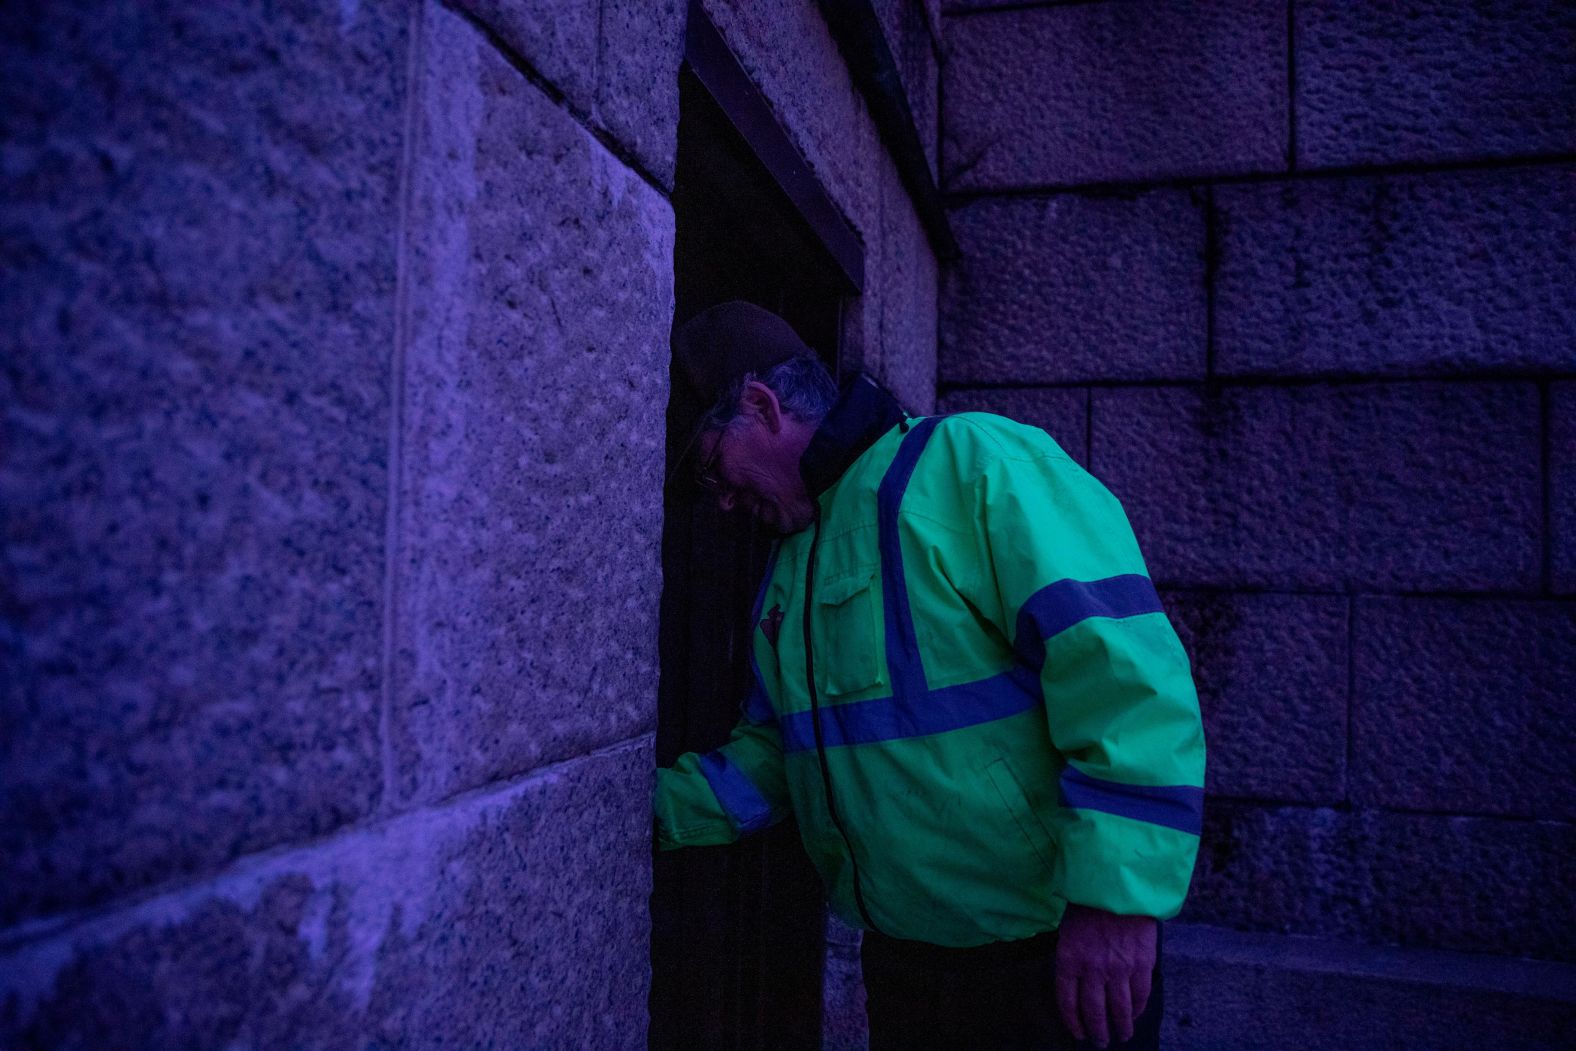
[
  {"x": 1075, "y": 599},
  {"x": 710, "y": 798}
]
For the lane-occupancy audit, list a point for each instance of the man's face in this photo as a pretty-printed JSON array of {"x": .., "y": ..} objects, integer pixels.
[{"x": 752, "y": 466}]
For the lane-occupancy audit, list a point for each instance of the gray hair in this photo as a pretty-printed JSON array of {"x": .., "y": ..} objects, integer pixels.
[{"x": 804, "y": 388}]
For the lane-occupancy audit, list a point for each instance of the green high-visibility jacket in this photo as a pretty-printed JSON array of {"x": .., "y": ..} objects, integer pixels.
[{"x": 966, "y": 651}]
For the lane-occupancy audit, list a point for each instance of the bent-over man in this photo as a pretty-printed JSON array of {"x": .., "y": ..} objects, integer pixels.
[{"x": 964, "y": 689}]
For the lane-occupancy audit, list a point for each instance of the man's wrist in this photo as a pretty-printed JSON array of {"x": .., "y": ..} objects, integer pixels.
[{"x": 1074, "y": 907}]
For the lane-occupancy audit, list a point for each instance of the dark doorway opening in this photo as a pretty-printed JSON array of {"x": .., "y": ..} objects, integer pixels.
[{"x": 738, "y": 932}]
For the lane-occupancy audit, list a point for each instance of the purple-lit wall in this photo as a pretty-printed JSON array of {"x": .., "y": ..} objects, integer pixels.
[
  {"x": 327, "y": 703},
  {"x": 1296, "y": 281},
  {"x": 332, "y": 371},
  {"x": 333, "y": 360}
]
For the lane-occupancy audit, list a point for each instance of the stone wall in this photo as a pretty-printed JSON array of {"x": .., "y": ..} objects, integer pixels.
[
  {"x": 328, "y": 668},
  {"x": 312, "y": 345},
  {"x": 1294, "y": 279}
]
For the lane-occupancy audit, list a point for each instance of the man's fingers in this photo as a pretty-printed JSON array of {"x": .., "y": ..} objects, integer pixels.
[
  {"x": 1091, "y": 1008},
  {"x": 1119, "y": 1004},
  {"x": 1142, "y": 984},
  {"x": 1067, "y": 1004}
]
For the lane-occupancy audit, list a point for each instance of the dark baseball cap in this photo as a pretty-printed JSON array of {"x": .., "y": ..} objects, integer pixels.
[{"x": 713, "y": 349}]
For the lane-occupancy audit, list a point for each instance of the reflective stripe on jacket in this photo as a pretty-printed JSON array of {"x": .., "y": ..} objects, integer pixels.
[{"x": 1002, "y": 712}]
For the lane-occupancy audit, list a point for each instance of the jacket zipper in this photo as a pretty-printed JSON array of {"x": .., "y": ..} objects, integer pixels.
[{"x": 815, "y": 720}]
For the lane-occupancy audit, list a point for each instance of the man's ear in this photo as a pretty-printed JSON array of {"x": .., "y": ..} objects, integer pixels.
[{"x": 759, "y": 400}]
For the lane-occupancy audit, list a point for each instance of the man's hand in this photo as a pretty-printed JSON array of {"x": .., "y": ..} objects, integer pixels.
[{"x": 1104, "y": 963}]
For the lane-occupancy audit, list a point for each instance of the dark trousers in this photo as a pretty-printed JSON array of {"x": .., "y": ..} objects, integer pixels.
[{"x": 995, "y": 996}]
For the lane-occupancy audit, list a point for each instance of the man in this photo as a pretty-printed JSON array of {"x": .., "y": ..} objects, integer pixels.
[{"x": 966, "y": 692}]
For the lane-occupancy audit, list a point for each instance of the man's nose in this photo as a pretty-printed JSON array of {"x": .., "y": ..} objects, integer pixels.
[{"x": 725, "y": 499}]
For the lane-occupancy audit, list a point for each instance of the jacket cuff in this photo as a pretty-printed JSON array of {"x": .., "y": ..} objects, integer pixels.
[{"x": 1125, "y": 866}]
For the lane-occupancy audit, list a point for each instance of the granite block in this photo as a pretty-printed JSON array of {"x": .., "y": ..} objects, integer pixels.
[
  {"x": 1471, "y": 884},
  {"x": 863, "y": 336},
  {"x": 1278, "y": 869},
  {"x": 1286, "y": 870},
  {"x": 902, "y": 275},
  {"x": 1070, "y": 287},
  {"x": 1405, "y": 275},
  {"x": 841, "y": 936},
  {"x": 1464, "y": 706},
  {"x": 906, "y": 26},
  {"x": 1424, "y": 81},
  {"x": 531, "y": 469},
  {"x": 637, "y": 99},
  {"x": 1402, "y": 486},
  {"x": 1562, "y": 487},
  {"x": 790, "y": 55},
  {"x": 844, "y": 1026},
  {"x": 1061, "y": 412},
  {"x": 198, "y": 304},
  {"x": 1227, "y": 990},
  {"x": 557, "y": 39},
  {"x": 1271, "y": 672},
  {"x": 516, "y": 918},
  {"x": 1093, "y": 93},
  {"x": 933, "y": 18}
]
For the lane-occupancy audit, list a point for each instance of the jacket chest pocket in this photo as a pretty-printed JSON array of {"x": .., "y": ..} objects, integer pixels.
[{"x": 848, "y": 643}]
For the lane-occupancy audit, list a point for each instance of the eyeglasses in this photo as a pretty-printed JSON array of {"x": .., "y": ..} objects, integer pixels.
[{"x": 706, "y": 478}]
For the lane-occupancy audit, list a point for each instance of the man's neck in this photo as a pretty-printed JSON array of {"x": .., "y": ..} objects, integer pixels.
[{"x": 863, "y": 412}]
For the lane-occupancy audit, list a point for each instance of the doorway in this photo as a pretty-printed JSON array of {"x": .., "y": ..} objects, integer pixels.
[{"x": 738, "y": 932}]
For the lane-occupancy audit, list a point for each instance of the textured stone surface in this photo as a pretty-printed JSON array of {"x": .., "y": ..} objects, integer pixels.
[
  {"x": 905, "y": 24},
  {"x": 1416, "y": 486},
  {"x": 843, "y": 1023},
  {"x": 1562, "y": 487},
  {"x": 1271, "y": 673},
  {"x": 901, "y": 287},
  {"x": 933, "y": 18},
  {"x": 1433, "y": 80},
  {"x": 1114, "y": 92},
  {"x": 1227, "y": 990},
  {"x": 1069, "y": 287},
  {"x": 637, "y": 96},
  {"x": 1402, "y": 275},
  {"x": 788, "y": 52},
  {"x": 540, "y": 301},
  {"x": 1061, "y": 412},
  {"x": 1465, "y": 883},
  {"x": 1492, "y": 683},
  {"x": 495, "y": 922},
  {"x": 556, "y": 38},
  {"x": 198, "y": 211}
]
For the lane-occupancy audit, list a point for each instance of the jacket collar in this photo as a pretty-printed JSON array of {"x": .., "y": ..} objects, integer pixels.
[{"x": 863, "y": 412}]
